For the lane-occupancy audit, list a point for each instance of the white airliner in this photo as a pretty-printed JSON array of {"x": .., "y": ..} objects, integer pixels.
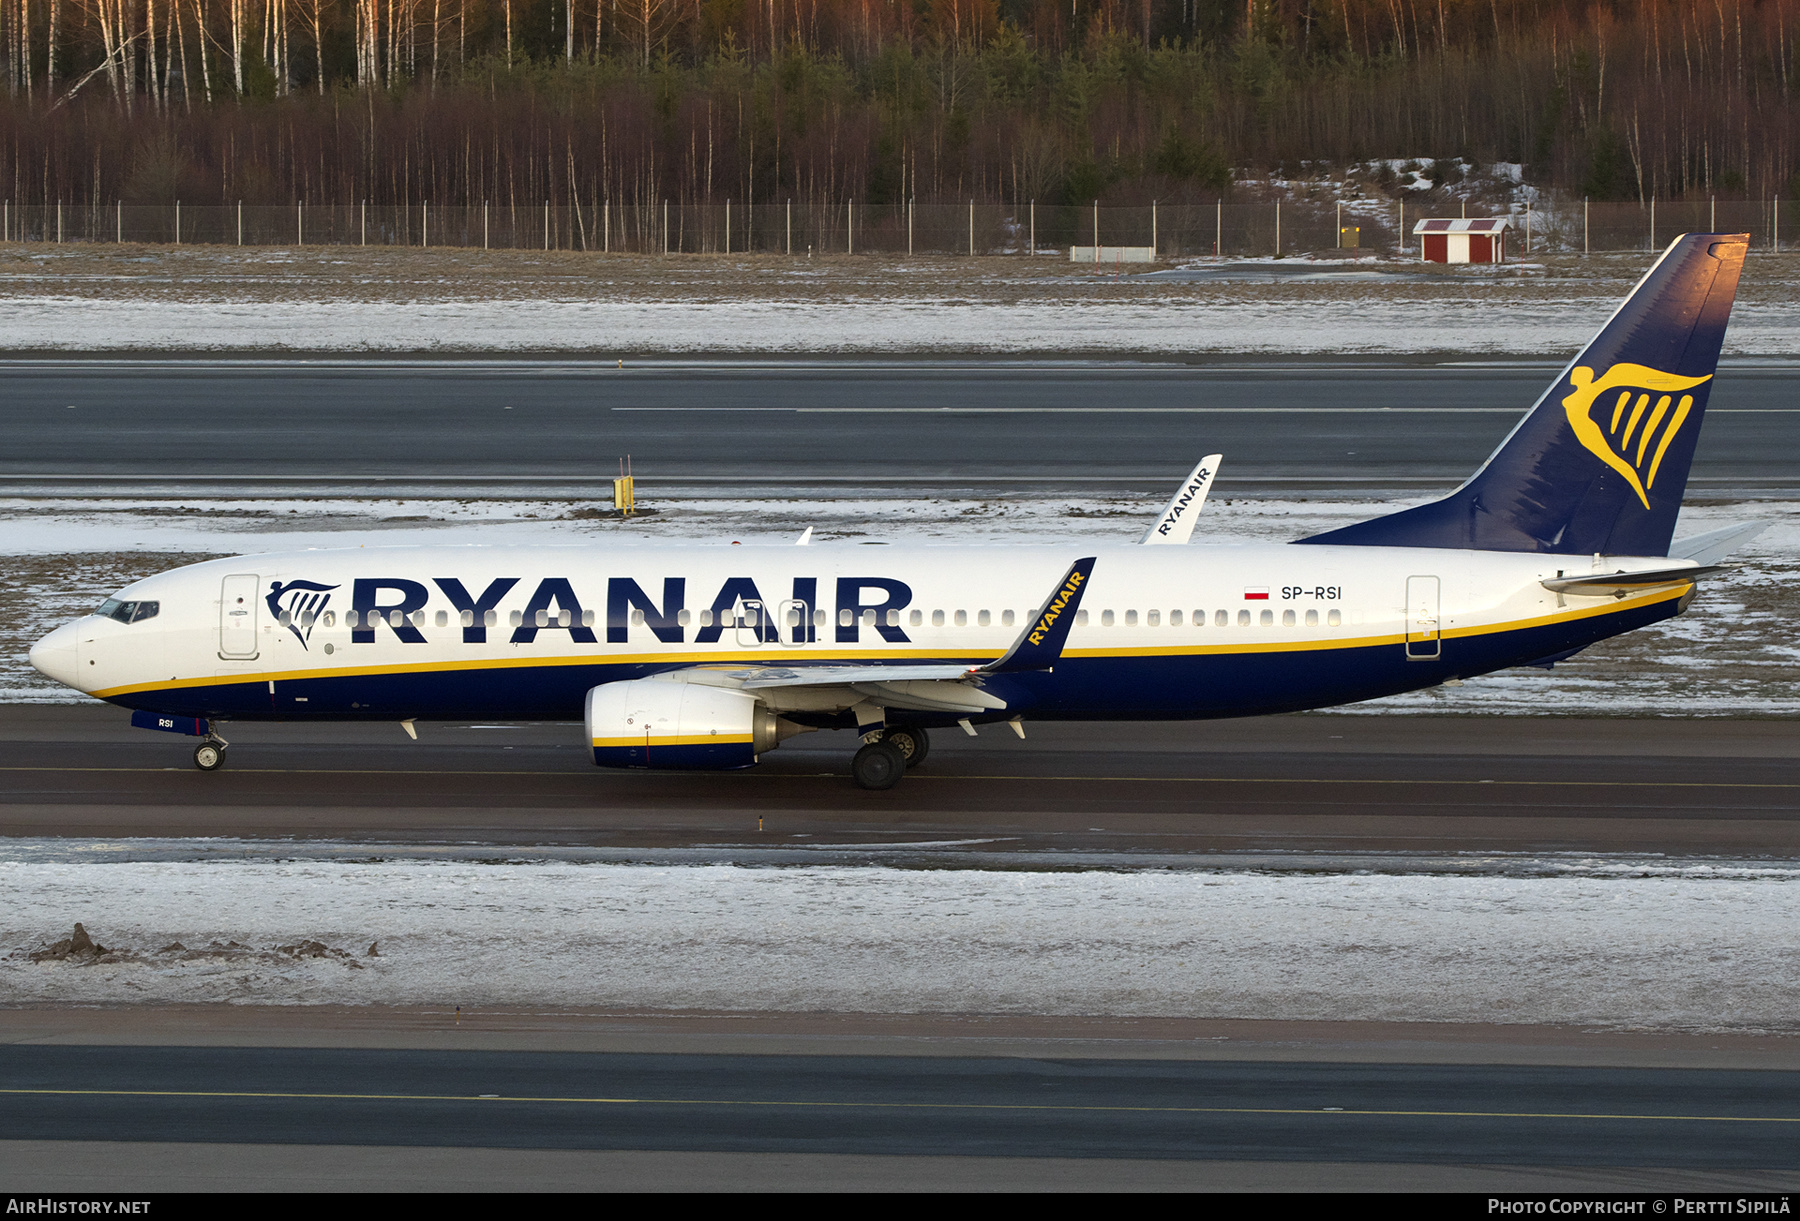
[{"x": 707, "y": 656}]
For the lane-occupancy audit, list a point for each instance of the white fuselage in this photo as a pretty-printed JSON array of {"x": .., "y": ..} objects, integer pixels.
[{"x": 1195, "y": 631}]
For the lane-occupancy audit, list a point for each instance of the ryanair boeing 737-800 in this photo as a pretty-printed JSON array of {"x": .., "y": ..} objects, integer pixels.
[{"x": 707, "y": 656}]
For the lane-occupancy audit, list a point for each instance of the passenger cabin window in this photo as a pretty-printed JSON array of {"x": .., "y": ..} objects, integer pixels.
[
  {"x": 937, "y": 618},
  {"x": 1006, "y": 618},
  {"x": 962, "y": 618},
  {"x": 1153, "y": 618},
  {"x": 1081, "y": 618},
  {"x": 916, "y": 618},
  {"x": 1223, "y": 618},
  {"x": 706, "y": 617},
  {"x": 1333, "y": 618},
  {"x": 443, "y": 618},
  {"x": 331, "y": 618},
  {"x": 1287, "y": 618},
  {"x": 1174, "y": 618},
  {"x": 1130, "y": 618},
  {"x": 1106, "y": 618},
  {"x": 1243, "y": 618},
  {"x": 1312, "y": 618},
  {"x": 984, "y": 619},
  {"x": 1268, "y": 618}
]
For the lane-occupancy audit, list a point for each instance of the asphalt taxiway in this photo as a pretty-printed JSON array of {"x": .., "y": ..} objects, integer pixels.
[
  {"x": 848, "y": 1110},
  {"x": 529, "y": 426},
  {"x": 1319, "y": 784}
]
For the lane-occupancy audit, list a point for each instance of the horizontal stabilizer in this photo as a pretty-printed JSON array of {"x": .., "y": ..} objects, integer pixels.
[
  {"x": 1715, "y": 545},
  {"x": 1622, "y": 584}
]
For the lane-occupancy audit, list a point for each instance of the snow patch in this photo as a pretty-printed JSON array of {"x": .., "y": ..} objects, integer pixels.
[{"x": 1618, "y": 946}]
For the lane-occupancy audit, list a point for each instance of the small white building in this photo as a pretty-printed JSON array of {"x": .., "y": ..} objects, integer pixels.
[{"x": 1463, "y": 240}]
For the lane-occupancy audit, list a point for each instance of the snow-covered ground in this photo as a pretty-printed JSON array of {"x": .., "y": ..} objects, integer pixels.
[
  {"x": 1247, "y": 322},
  {"x": 1610, "y": 943},
  {"x": 1736, "y": 651}
]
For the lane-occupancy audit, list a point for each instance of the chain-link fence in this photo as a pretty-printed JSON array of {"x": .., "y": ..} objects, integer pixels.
[{"x": 658, "y": 227}]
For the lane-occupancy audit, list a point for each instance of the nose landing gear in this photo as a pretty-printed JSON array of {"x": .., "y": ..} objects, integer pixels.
[{"x": 209, "y": 756}]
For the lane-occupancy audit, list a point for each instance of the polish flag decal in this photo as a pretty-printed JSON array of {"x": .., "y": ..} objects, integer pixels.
[{"x": 1256, "y": 593}]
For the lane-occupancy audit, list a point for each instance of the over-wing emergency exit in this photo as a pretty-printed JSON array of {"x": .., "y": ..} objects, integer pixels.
[{"x": 701, "y": 656}]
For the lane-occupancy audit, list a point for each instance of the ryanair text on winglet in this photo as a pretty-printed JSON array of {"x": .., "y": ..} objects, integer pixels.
[
  {"x": 1183, "y": 501},
  {"x": 1056, "y": 607}
]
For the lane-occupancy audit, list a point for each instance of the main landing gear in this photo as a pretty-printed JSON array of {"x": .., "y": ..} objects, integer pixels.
[
  {"x": 209, "y": 756},
  {"x": 880, "y": 764},
  {"x": 913, "y": 743}
]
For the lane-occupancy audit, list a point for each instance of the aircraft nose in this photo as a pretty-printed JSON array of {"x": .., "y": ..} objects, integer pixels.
[{"x": 56, "y": 656}]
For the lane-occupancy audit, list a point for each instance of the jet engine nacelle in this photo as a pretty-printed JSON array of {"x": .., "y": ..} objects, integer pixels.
[{"x": 648, "y": 722}]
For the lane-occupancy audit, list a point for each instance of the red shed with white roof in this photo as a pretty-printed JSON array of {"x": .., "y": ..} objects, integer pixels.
[{"x": 1463, "y": 240}]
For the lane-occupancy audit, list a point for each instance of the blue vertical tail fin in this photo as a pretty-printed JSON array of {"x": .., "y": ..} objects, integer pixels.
[{"x": 1599, "y": 465}]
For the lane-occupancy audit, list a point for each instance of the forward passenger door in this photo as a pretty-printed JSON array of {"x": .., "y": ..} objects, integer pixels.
[{"x": 237, "y": 615}]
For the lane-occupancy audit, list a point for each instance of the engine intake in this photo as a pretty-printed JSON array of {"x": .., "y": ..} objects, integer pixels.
[{"x": 648, "y": 722}]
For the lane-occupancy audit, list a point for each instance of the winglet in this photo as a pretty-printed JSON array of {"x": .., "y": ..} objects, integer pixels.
[
  {"x": 1041, "y": 643},
  {"x": 1176, "y": 525}
]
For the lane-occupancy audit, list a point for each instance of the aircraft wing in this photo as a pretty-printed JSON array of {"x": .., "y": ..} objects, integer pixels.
[
  {"x": 940, "y": 687},
  {"x": 916, "y": 688},
  {"x": 843, "y": 676}
]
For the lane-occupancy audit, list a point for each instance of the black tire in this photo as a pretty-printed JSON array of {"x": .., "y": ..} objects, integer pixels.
[
  {"x": 209, "y": 756},
  {"x": 877, "y": 766},
  {"x": 915, "y": 744}
]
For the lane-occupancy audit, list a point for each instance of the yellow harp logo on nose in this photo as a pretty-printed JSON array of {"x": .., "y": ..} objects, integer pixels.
[{"x": 1638, "y": 417}]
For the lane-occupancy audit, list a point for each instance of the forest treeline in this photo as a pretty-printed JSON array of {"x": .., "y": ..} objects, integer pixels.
[{"x": 877, "y": 101}]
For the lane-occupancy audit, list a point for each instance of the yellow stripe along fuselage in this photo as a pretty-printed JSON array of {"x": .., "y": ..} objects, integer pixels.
[{"x": 1147, "y": 638}]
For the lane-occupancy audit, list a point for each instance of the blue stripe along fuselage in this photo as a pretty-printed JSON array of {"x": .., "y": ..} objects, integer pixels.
[{"x": 1181, "y": 686}]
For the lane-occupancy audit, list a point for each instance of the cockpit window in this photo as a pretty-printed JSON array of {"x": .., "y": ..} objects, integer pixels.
[{"x": 128, "y": 612}]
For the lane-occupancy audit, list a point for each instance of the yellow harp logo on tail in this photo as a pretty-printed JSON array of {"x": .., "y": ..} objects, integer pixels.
[{"x": 1639, "y": 414}]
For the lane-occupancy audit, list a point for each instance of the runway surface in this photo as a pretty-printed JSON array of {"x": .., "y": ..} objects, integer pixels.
[
  {"x": 459, "y": 427},
  {"x": 1319, "y": 784},
  {"x": 912, "y": 1106}
]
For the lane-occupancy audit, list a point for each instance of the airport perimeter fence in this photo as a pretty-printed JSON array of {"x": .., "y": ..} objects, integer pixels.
[{"x": 1170, "y": 230}]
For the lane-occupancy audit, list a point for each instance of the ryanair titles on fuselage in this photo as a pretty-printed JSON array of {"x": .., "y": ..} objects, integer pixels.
[{"x": 554, "y": 605}]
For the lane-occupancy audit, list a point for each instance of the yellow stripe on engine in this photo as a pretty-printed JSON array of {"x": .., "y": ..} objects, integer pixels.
[{"x": 702, "y": 739}]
